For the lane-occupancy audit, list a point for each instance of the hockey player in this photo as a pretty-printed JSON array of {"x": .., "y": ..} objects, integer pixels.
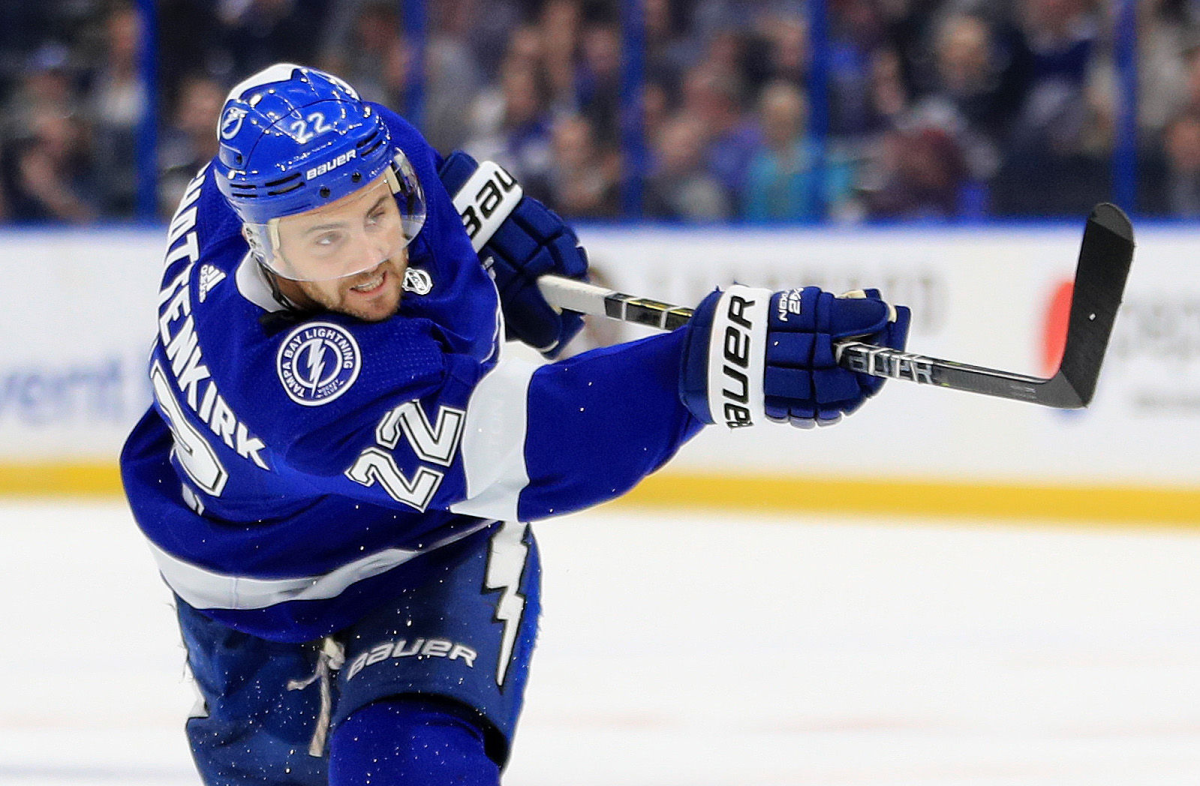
[{"x": 340, "y": 457}]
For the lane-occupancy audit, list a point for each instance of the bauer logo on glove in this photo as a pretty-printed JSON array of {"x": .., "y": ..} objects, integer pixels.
[
  {"x": 520, "y": 240},
  {"x": 486, "y": 200},
  {"x": 754, "y": 355}
]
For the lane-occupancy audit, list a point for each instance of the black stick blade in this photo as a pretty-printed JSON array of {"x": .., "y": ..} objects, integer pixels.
[{"x": 1104, "y": 261}]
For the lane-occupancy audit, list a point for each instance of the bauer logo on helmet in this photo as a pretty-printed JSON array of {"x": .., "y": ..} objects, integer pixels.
[{"x": 329, "y": 166}]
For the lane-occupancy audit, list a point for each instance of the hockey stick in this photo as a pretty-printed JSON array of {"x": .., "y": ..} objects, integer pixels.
[{"x": 1104, "y": 260}]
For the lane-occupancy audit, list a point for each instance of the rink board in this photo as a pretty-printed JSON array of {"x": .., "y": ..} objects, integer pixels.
[{"x": 77, "y": 311}]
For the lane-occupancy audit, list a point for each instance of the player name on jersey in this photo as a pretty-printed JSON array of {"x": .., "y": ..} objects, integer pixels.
[{"x": 177, "y": 332}]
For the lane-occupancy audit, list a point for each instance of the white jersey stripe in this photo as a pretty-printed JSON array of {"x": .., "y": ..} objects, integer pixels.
[
  {"x": 493, "y": 445},
  {"x": 206, "y": 589}
]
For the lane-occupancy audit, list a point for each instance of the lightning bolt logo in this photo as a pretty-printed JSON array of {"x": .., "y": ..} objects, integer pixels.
[
  {"x": 506, "y": 563},
  {"x": 315, "y": 351},
  {"x": 316, "y": 359}
]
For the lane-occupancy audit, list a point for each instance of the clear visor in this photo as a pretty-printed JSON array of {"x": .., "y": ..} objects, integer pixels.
[{"x": 349, "y": 236}]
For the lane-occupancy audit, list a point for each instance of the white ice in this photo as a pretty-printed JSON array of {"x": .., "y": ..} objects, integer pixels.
[{"x": 680, "y": 649}]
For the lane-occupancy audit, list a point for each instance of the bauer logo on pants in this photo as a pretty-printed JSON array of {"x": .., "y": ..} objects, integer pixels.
[
  {"x": 318, "y": 362},
  {"x": 412, "y": 648}
]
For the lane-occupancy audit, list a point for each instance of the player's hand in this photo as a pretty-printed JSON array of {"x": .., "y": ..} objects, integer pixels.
[
  {"x": 753, "y": 354},
  {"x": 530, "y": 242}
]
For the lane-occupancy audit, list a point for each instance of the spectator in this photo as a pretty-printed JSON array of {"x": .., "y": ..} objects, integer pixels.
[
  {"x": 47, "y": 172},
  {"x": 1156, "y": 171},
  {"x": 888, "y": 91},
  {"x": 452, "y": 71},
  {"x": 909, "y": 28},
  {"x": 598, "y": 81},
  {"x": 1183, "y": 165},
  {"x": 512, "y": 127},
  {"x": 46, "y": 82},
  {"x": 724, "y": 52},
  {"x": 525, "y": 48},
  {"x": 370, "y": 54},
  {"x": 858, "y": 30},
  {"x": 669, "y": 49},
  {"x": 188, "y": 42},
  {"x": 967, "y": 98},
  {"x": 585, "y": 177},
  {"x": 969, "y": 78},
  {"x": 559, "y": 27},
  {"x": 714, "y": 98},
  {"x": 682, "y": 188},
  {"x": 787, "y": 37},
  {"x": 27, "y": 26},
  {"x": 1062, "y": 132},
  {"x": 646, "y": 127},
  {"x": 252, "y": 34},
  {"x": 74, "y": 100},
  {"x": 1190, "y": 98},
  {"x": 47, "y": 177},
  {"x": 1019, "y": 86},
  {"x": 1166, "y": 37},
  {"x": 922, "y": 176},
  {"x": 656, "y": 106},
  {"x": 490, "y": 25},
  {"x": 782, "y": 184},
  {"x": 1062, "y": 40},
  {"x": 117, "y": 103},
  {"x": 189, "y": 141}
]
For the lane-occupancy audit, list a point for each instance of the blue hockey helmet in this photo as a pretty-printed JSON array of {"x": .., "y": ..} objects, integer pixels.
[{"x": 296, "y": 139}]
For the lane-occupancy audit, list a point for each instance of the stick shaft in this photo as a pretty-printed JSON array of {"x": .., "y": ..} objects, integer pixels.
[{"x": 1104, "y": 262}]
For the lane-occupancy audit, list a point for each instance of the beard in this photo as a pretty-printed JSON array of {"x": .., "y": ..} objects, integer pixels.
[{"x": 378, "y": 301}]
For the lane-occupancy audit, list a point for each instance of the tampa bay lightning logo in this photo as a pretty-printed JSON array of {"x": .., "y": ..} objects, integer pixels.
[
  {"x": 231, "y": 123},
  {"x": 318, "y": 362}
]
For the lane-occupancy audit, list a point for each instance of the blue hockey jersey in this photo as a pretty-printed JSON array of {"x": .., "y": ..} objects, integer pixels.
[{"x": 293, "y": 465}]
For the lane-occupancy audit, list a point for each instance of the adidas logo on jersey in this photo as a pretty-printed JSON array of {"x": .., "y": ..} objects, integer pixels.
[{"x": 209, "y": 277}]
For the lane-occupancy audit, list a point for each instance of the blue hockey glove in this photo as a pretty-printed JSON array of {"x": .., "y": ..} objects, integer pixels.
[
  {"x": 519, "y": 239},
  {"x": 753, "y": 354}
]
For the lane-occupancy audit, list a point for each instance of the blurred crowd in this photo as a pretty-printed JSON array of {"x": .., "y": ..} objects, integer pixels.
[{"x": 749, "y": 110}]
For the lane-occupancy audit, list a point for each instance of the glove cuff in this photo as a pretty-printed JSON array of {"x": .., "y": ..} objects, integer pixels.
[
  {"x": 485, "y": 199},
  {"x": 725, "y": 359}
]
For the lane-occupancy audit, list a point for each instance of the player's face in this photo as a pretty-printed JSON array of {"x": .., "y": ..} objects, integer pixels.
[
  {"x": 351, "y": 254},
  {"x": 372, "y": 296}
]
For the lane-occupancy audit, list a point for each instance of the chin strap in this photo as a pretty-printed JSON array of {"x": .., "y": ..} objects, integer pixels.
[
  {"x": 273, "y": 283},
  {"x": 291, "y": 313}
]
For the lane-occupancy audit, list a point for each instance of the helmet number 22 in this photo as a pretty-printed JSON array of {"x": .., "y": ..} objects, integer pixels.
[{"x": 303, "y": 131}]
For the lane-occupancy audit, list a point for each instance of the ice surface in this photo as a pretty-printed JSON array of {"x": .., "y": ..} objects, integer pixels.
[{"x": 680, "y": 649}]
